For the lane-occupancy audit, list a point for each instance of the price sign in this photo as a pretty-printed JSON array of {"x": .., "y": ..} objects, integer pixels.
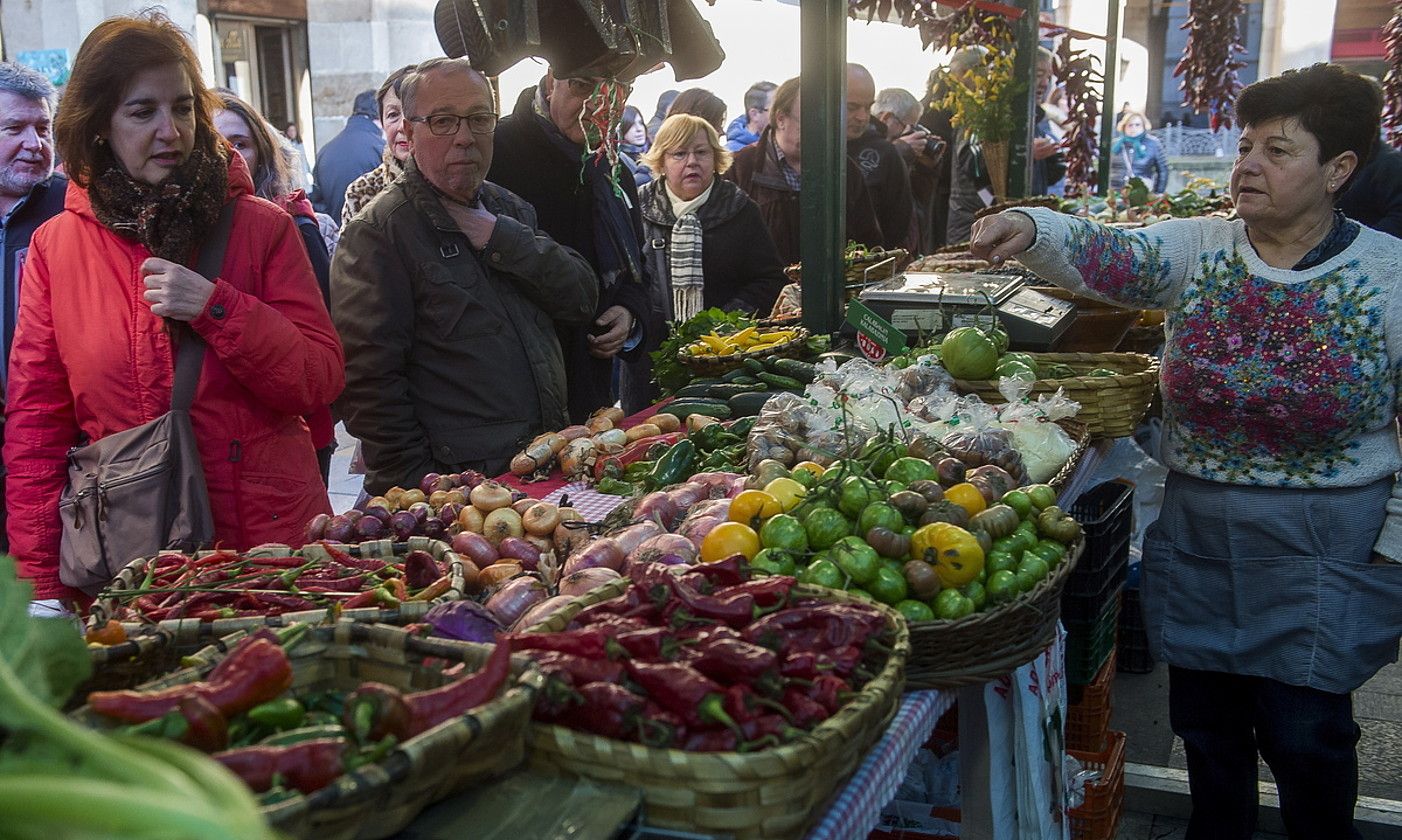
[
  {"x": 873, "y": 351},
  {"x": 876, "y": 337}
]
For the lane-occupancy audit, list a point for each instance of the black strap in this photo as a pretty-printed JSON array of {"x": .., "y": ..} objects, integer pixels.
[{"x": 190, "y": 353}]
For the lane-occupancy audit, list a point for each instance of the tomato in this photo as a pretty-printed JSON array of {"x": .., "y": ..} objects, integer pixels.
[
  {"x": 787, "y": 491},
  {"x": 1002, "y": 587},
  {"x": 859, "y": 560},
  {"x": 967, "y": 496},
  {"x": 915, "y": 611},
  {"x": 111, "y": 633},
  {"x": 888, "y": 587},
  {"x": 951, "y": 605},
  {"x": 728, "y": 539},
  {"x": 907, "y": 470},
  {"x": 805, "y": 478},
  {"x": 1000, "y": 559},
  {"x": 824, "y": 573},
  {"x": 1040, "y": 495},
  {"x": 1050, "y": 551},
  {"x": 784, "y": 532},
  {"x": 825, "y": 527},
  {"x": 1019, "y": 501},
  {"x": 881, "y": 454},
  {"x": 954, "y": 552},
  {"x": 975, "y": 592},
  {"x": 857, "y": 493},
  {"x": 1018, "y": 541},
  {"x": 752, "y": 507},
  {"x": 772, "y": 561},
  {"x": 809, "y": 506},
  {"x": 810, "y": 468},
  {"x": 880, "y": 515},
  {"x": 1033, "y": 566}
]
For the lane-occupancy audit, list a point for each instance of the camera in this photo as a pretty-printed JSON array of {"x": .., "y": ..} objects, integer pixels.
[{"x": 934, "y": 144}]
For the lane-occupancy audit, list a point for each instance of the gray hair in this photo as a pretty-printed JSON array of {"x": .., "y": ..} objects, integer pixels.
[
  {"x": 966, "y": 59},
  {"x": 25, "y": 82},
  {"x": 900, "y": 102},
  {"x": 409, "y": 88}
]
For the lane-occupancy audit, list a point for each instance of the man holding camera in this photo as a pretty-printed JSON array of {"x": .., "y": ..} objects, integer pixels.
[
  {"x": 898, "y": 112},
  {"x": 884, "y": 172}
]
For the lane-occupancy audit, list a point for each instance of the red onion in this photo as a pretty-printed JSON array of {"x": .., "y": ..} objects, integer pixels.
[
  {"x": 476, "y": 548},
  {"x": 513, "y": 599},
  {"x": 604, "y": 552},
  {"x": 429, "y": 483},
  {"x": 540, "y": 612},
  {"x": 316, "y": 529},
  {"x": 586, "y": 580},
  {"x": 697, "y": 529},
  {"x": 710, "y": 507},
  {"x": 657, "y": 507},
  {"x": 688, "y": 494},
  {"x": 661, "y": 544},
  {"x": 403, "y": 525},
  {"x": 353, "y": 515},
  {"x": 448, "y": 514},
  {"x": 515, "y": 548},
  {"x": 370, "y": 528},
  {"x": 434, "y": 529},
  {"x": 340, "y": 529},
  {"x": 633, "y": 536},
  {"x": 714, "y": 480}
]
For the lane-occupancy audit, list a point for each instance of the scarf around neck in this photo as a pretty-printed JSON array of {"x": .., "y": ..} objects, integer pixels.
[
  {"x": 688, "y": 279},
  {"x": 170, "y": 218}
]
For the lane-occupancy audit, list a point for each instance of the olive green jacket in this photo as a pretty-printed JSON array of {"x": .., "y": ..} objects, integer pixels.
[{"x": 451, "y": 357}]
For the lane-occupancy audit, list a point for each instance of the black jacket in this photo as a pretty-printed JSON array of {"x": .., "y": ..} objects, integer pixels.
[
  {"x": 451, "y": 357},
  {"x": 1375, "y": 196},
  {"x": 350, "y": 154},
  {"x": 43, "y": 203},
  {"x": 529, "y": 164},
  {"x": 888, "y": 180}
]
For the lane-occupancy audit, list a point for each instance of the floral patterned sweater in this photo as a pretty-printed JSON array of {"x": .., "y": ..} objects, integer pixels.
[{"x": 1270, "y": 377}]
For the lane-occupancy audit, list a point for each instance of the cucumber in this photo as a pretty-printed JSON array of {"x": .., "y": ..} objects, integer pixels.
[
  {"x": 749, "y": 404},
  {"x": 741, "y": 372},
  {"x": 754, "y": 366},
  {"x": 744, "y": 380},
  {"x": 682, "y": 409},
  {"x": 774, "y": 380},
  {"x": 725, "y": 392},
  {"x": 794, "y": 369},
  {"x": 696, "y": 389}
]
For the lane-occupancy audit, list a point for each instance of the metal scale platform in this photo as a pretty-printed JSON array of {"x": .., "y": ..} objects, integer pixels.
[{"x": 924, "y": 304}]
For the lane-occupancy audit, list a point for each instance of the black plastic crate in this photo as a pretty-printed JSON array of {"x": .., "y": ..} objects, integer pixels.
[
  {"x": 1133, "y": 646},
  {"x": 1106, "y": 514},
  {"x": 1088, "y": 647},
  {"x": 1085, "y": 596}
]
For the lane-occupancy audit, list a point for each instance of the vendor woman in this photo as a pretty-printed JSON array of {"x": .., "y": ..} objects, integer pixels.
[{"x": 1271, "y": 583}]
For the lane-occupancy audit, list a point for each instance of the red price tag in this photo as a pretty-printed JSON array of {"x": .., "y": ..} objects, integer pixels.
[{"x": 870, "y": 348}]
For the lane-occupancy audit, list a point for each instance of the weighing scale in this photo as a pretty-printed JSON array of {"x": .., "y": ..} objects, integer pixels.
[{"x": 924, "y": 304}]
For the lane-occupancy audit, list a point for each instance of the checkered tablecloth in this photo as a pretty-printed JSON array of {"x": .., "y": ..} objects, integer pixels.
[
  {"x": 856, "y": 809},
  {"x": 590, "y": 503}
]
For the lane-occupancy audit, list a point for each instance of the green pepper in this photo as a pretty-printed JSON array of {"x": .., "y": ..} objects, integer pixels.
[
  {"x": 676, "y": 465},
  {"x": 638, "y": 470},
  {"x": 741, "y": 428},
  {"x": 282, "y": 713},
  {"x": 614, "y": 487}
]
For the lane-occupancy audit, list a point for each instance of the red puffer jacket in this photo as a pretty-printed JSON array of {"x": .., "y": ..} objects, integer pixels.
[{"x": 89, "y": 358}]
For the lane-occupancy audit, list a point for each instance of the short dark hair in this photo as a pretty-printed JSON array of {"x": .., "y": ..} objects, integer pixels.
[
  {"x": 1339, "y": 107},
  {"x": 112, "y": 54},
  {"x": 701, "y": 103},
  {"x": 393, "y": 82},
  {"x": 365, "y": 104},
  {"x": 25, "y": 82},
  {"x": 758, "y": 95},
  {"x": 409, "y": 87}
]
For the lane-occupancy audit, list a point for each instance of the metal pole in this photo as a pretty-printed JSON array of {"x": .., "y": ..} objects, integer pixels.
[
  {"x": 1107, "y": 103},
  {"x": 822, "y": 202},
  {"x": 1025, "y": 105}
]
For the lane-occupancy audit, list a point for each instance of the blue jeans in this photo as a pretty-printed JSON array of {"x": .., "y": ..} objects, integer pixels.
[{"x": 1308, "y": 738}]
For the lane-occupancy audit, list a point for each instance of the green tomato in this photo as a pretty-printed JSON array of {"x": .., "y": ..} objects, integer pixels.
[
  {"x": 825, "y": 527},
  {"x": 856, "y": 494},
  {"x": 892, "y": 487},
  {"x": 807, "y": 507},
  {"x": 824, "y": 573},
  {"x": 1026, "y": 580},
  {"x": 951, "y": 605},
  {"x": 881, "y": 454},
  {"x": 1002, "y": 587},
  {"x": 1041, "y": 495},
  {"x": 859, "y": 560},
  {"x": 804, "y": 477},
  {"x": 1021, "y": 358},
  {"x": 772, "y": 561},
  {"x": 907, "y": 470},
  {"x": 969, "y": 353},
  {"x": 1034, "y": 566},
  {"x": 889, "y": 587},
  {"x": 1015, "y": 370},
  {"x": 861, "y": 593},
  {"x": 998, "y": 560},
  {"x": 880, "y": 515},
  {"x": 784, "y": 532},
  {"x": 915, "y": 610},
  {"x": 1049, "y": 551},
  {"x": 1020, "y": 540},
  {"x": 1018, "y": 501},
  {"x": 975, "y": 592}
]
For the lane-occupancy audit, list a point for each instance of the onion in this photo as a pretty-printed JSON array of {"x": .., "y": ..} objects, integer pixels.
[
  {"x": 471, "y": 519},
  {"x": 570, "y": 540},
  {"x": 603, "y": 552},
  {"x": 449, "y": 512},
  {"x": 466, "y": 621},
  {"x": 437, "y": 499},
  {"x": 697, "y": 529},
  {"x": 376, "y": 501},
  {"x": 339, "y": 529},
  {"x": 710, "y": 507},
  {"x": 429, "y": 483},
  {"x": 352, "y": 516},
  {"x": 540, "y": 519},
  {"x": 434, "y": 529},
  {"x": 476, "y": 548},
  {"x": 498, "y": 573},
  {"x": 502, "y": 523},
  {"x": 515, "y": 548},
  {"x": 470, "y": 479},
  {"x": 586, "y": 580},
  {"x": 633, "y": 536},
  {"x": 489, "y": 496},
  {"x": 370, "y": 528},
  {"x": 656, "y": 507},
  {"x": 394, "y": 496},
  {"x": 513, "y": 599},
  {"x": 421, "y": 511},
  {"x": 403, "y": 525},
  {"x": 614, "y": 414},
  {"x": 540, "y": 612},
  {"x": 409, "y": 497},
  {"x": 316, "y": 529},
  {"x": 611, "y": 437},
  {"x": 715, "y": 480},
  {"x": 542, "y": 544},
  {"x": 599, "y": 424},
  {"x": 688, "y": 494},
  {"x": 523, "y": 505},
  {"x": 663, "y": 544}
]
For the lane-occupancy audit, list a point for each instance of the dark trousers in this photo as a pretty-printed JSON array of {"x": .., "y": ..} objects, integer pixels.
[
  {"x": 323, "y": 460},
  {"x": 1307, "y": 737}
]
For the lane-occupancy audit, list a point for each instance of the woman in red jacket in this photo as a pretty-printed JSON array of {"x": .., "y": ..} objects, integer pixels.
[{"x": 92, "y": 352}]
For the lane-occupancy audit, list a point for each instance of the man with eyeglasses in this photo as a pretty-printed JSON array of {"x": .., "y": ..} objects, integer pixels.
[
  {"x": 447, "y": 295},
  {"x": 541, "y": 157}
]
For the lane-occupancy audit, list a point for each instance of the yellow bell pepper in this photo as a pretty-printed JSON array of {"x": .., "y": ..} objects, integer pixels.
[
  {"x": 716, "y": 343},
  {"x": 953, "y": 551}
]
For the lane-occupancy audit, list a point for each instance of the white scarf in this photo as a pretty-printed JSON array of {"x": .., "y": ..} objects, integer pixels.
[{"x": 688, "y": 279}]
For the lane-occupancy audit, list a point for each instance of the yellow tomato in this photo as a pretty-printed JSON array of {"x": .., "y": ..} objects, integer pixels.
[
  {"x": 787, "y": 491},
  {"x": 966, "y": 496},
  {"x": 728, "y": 539},
  {"x": 752, "y": 507},
  {"x": 811, "y": 466},
  {"x": 953, "y": 551}
]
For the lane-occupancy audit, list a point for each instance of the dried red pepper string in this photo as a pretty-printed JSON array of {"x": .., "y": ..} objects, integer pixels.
[
  {"x": 1392, "y": 81},
  {"x": 1211, "y": 59}
]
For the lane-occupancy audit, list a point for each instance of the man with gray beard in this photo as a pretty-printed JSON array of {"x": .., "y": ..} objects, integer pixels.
[{"x": 30, "y": 193}]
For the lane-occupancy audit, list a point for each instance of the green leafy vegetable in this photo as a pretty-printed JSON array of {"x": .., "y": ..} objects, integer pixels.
[{"x": 671, "y": 374}]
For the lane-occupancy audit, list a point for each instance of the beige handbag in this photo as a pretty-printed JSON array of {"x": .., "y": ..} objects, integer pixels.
[{"x": 136, "y": 492}]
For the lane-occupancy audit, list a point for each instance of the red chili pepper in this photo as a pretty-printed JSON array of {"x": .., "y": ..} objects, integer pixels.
[
  {"x": 805, "y": 711},
  {"x": 622, "y": 605},
  {"x": 195, "y": 722},
  {"x": 607, "y": 709},
  {"x": 683, "y": 690},
  {"x": 374, "y": 711},
  {"x": 728, "y": 572},
  {"x": 734, "y": 660},
  {"x": 364, "y": 564},
  {"x": 427, "y": 709},
  {"x": 769, "y": 726},
  {"x": 738, "y": 705},
  {"x": 616, "y": 623},
  {"x": 714, "y": 740},
  {"x": 278, "y": 603},
  {"x": 652, "y": 644},
  {"x": 830, "y": 691},
  {"x": 702, "y": 635},
  {"x": 801, "y": 665},
  {"x": 579, "y": 669},
  {"x": 589, "y": 642},
  {"x": 689, "y": 605},
  {"x": 260, "y": 672},
  {"x": 842, "y": 661},
  {"x": 768, "y": 592},
  {"x": 420, "y": 569},
  {"x": 308, "y": 766}
]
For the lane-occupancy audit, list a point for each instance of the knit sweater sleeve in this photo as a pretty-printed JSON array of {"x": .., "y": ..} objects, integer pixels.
[
  {"x": 1389, "y": 542},
  {"x": 1146, "y": 268}
]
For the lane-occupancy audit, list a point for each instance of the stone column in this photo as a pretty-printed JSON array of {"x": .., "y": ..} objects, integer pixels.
[{"x": 354, "y": 44}]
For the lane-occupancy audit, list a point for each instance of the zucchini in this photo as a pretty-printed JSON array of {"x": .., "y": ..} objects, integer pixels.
[
  {"x": 794, "y": 369},
  {"x": 741, "y": 372},
  {"x": 744, "y": 380},
  {"x": 695, "y": 389},
  {"x": 749, "y": 404},
  {"x": 787, "y": 383},
  {"x": 682, "y": 409},
  {"x": 754, "y": 365},
  {"x": 725, "y": 392}
]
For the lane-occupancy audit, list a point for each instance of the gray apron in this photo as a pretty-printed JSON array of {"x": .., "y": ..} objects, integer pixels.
[{"x": 1272, "y": 582}]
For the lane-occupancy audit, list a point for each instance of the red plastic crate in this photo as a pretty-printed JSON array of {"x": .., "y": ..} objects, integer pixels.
[{"x": 1098, "y": 818}]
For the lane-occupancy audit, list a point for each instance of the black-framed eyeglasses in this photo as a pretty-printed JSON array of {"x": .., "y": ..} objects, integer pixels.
[{"x": 446, "y": 125}]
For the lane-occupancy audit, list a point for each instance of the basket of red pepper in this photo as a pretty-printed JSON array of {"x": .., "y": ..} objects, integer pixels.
[
  {"x": 737, "y": 705},
  {"x": 342, "y": 731}
]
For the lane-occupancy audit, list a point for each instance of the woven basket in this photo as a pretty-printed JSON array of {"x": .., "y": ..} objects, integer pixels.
[
  {"x": 773, "y": 793},
  {"x": 189, "y": 634},
  {"x": 1111, "y": 406},
  {"x": 715, "y": 365},
  {"x": 984, "y": 646},
  {"x": 1080, "y": 435},
  {"x": 381, "y": 799}
]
